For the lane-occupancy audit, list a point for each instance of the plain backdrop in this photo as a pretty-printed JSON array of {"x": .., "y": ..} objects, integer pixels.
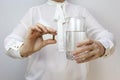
[{"x": 107, "y": 12}]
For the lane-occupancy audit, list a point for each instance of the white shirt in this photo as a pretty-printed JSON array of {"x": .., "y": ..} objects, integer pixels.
[{"x": 49, "y": 63}]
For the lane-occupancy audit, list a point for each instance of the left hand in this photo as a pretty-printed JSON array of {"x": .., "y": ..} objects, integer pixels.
[{"x": 88, "y": 50}]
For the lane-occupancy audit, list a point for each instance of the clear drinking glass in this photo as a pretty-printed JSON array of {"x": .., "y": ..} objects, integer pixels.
[{"x": 75, "y": 32}]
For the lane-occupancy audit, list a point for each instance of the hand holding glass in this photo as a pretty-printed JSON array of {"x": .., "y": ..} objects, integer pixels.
[{"x": 76, "y": 32}]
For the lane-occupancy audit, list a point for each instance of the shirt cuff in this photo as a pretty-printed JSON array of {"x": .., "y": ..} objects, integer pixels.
[
  {"x": 13, "y": 49},
  {"x": 109, "y": 47}
]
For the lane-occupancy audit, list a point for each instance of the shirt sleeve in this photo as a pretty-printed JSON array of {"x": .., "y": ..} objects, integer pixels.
[
  {"x": 13, "y": 42},
  {"x": 97, "y": 32}
]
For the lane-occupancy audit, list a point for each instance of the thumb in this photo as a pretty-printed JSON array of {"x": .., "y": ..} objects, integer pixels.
[{"x": 49, "y": 41}]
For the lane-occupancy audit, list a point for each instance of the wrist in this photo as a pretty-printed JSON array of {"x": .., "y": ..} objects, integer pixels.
[{"x": 24, "y": 52}]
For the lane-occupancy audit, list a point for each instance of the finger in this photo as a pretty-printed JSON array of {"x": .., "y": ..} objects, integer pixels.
[
  {"x": 38, "y": 29},
  {"x": 35, "y": 30},
  {"x": 51, "y": 31},
  {"x": 86, "y": 42},
  {"x": 88, "y": 57},
  {"x": 49, "y": 41},
  {"x": 83, "y": 55},
  {"x": 32, "y": 29},
  {"x": 83, "y": 49},
  {"x": 47, "y": 29},
  {"x": 42, "y": 27},
  {"x": 95, "y": 55}
]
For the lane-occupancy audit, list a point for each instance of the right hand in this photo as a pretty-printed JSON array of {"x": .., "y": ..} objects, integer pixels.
[{"x": 33, "y": 41}]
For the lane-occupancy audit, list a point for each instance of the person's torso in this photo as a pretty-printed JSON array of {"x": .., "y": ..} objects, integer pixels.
[{"x": 49, "y": 63}]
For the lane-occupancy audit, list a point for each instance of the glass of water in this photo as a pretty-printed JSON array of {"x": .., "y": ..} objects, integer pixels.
[{"x": 75, "y": 32}]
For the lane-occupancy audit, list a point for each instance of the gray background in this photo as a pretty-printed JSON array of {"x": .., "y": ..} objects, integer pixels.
[{"x": 105, "y": 11}]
